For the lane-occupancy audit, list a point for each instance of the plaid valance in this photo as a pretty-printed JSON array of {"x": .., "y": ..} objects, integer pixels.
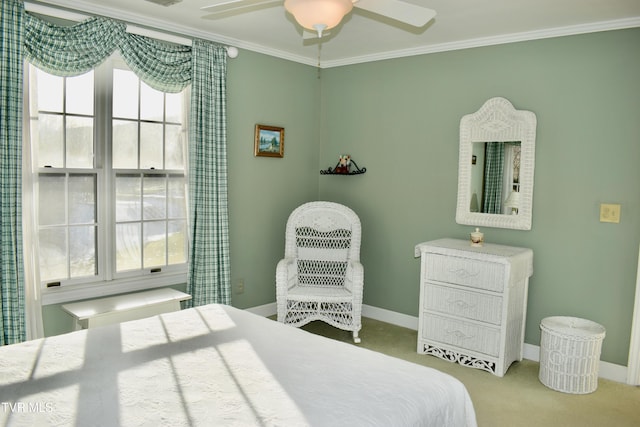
[{"x": 76, "y": 49}]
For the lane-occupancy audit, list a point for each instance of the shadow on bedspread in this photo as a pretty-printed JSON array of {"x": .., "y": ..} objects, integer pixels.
[{"x": 217, "y": 365}]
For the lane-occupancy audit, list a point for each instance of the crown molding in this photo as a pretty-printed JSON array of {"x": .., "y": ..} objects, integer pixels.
[{"x": 618, "y": 24}]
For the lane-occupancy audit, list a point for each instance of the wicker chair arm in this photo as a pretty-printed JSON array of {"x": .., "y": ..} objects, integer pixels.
[
  {"x": 285, "y": 278},
  {"x": 354, "y": 277},
  {"x": 285, "y": 274}
]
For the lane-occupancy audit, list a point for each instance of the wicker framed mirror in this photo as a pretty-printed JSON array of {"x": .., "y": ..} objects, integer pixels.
[{"x": 493, "y": 192}]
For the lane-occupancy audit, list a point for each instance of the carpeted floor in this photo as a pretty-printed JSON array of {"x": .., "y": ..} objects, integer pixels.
[{"x": 517, "y": 399}]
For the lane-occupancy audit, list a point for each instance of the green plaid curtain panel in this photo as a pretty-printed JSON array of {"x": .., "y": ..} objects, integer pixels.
[
  {"x": 209, "y": 278},
  {"x": 493, "y": 178},
  {"x": 12, "y": 321}
]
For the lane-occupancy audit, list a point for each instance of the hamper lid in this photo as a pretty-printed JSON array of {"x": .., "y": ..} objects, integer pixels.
[{"x": 572, "y": 326}]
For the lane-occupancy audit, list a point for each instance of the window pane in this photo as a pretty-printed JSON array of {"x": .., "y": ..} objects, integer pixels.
[
  {"x": 82, "y": 199},
  {"x": 128, "y": 198},
  {"x": 82, "y": 251},
  {"x": 50, "y": 143},
  {"x": 51, "y": 196},
  {"x": 151, "y": 103},
  {"x": 155, "y": 244},
  {"x": 174, "y": 147},
  {"x": 80, "y": 94},
  {"x": 147, "y": 208},
  {"x": 79, "y": 142},
  {"x": 50, "y": 92},
  {"x": 155, "y": 197},
  {"x": 177, "y": 200},
  {"x": 125, "y": 94},
  {"x": 53, "y": 254},
  {"x": 174, "y": 107},
  {"x": 177, "y": 242},
  {"x": 125, "y": 144},
  {"x": 151, "y": 146},
  {"x": 128, "y": 249}
]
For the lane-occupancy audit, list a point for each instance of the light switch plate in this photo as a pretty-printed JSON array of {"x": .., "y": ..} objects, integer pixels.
[{"x": 609, "y": 212}]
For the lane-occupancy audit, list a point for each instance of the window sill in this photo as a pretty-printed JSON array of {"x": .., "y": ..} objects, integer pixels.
[{"x": 97, "y": 290}]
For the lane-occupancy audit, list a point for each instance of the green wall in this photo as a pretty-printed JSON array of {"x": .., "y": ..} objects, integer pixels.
[
  {"x": 264, "y": 190},
  {"x": 400, "y": 118}
]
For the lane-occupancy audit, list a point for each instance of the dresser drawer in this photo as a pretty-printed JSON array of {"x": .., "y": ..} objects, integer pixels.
[
  {"x": 460, "y": 303},
  {"x": 461, "y": 334},
  {"x": 465, "y": 271}
]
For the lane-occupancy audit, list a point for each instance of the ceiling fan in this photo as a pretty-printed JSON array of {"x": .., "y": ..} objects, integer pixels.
[{"x": 318, "y": 16}]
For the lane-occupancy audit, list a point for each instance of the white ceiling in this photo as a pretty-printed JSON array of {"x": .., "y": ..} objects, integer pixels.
[{"x": 363, "y": 37}]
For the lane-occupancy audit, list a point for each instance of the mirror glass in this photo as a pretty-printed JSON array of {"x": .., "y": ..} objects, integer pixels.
[
  {"x": 495, "y": 177},
  {"x": 496, "y": 164}
]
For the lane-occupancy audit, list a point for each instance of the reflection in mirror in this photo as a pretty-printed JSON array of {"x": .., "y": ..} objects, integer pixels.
[
  {"x": 496, "y": 164},
  {"x": 495, "y": 177}
]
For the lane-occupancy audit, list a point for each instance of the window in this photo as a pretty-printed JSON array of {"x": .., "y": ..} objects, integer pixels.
[{"x": 110, "y": 158}]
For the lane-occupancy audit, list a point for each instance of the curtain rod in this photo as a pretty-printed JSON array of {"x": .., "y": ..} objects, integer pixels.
[
  {"x": 73, "y": 16},
  {"x": 232, "y": 52}
]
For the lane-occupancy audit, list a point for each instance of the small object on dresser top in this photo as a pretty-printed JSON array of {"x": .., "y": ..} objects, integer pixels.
[{"x": 477, "y": 238}]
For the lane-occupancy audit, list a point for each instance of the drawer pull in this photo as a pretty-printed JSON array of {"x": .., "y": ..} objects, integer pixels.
[
  {"x": 462, "y": 273},
  {"x": 458, "y": 334},
  {"x": 462, "y": 305}
]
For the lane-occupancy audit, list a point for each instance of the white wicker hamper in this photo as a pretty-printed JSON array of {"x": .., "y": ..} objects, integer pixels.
[{"x": 570, "y": 354}]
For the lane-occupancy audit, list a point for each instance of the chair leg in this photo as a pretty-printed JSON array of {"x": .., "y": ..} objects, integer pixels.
[{"x": 356, "y": 338}]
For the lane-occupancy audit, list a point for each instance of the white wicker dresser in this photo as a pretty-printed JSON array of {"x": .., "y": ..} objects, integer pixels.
[{"x": 473, "y": 302}]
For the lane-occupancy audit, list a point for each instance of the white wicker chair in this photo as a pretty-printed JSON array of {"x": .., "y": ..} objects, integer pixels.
[{"x": 320, "y": 277}]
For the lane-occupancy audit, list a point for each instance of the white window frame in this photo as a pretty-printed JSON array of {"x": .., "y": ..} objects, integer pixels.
[{"x": 108, "y": 281}]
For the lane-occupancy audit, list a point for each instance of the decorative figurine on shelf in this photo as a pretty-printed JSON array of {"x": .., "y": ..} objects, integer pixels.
[
  {"x": 344, "y": 164},
  {"x": 477, "y": 238},
  {"x": 343, "y": 167}
]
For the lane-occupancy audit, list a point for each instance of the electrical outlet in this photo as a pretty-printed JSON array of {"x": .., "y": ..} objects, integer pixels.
[
  {"x": 609, "y": 213},
  {"x": 239, "y": 286}
]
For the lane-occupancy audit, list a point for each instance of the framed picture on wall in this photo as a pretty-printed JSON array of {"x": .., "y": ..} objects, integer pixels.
[{"x": 269, "y": 141}]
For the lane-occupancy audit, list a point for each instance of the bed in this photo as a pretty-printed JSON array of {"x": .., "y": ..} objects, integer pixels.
[{"x": 216, "y": 365}]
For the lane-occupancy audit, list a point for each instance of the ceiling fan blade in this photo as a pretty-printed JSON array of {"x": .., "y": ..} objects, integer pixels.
[
  {"x": 229, "y": 5},
  {"x": 408, "y": 13}
]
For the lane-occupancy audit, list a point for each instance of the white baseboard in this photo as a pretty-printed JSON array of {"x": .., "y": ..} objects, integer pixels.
[
  {"x": 609, "y": 371},
  {"x": 388, "y": 316},
  {"x": 264, "y": 310}
]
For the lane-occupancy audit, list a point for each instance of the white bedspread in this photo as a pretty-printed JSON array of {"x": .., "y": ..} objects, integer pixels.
[{"x": 218, "y": 366}]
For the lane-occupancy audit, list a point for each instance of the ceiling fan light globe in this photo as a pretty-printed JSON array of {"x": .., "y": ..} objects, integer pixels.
[{"x": 312, "y": 13}]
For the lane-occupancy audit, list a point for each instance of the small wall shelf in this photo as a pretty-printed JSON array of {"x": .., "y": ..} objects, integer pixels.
[{"x": 338, "y": 170}]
